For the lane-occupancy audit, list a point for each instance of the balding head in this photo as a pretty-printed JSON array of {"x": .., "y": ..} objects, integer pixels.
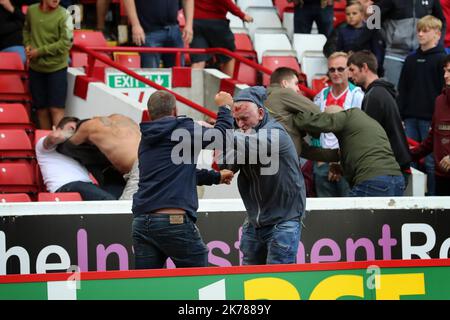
[
  {"x": 161, "y": 104},
  {"x": 333, "y": 109}
]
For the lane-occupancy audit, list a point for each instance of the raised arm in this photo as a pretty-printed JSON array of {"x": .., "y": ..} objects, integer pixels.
[
  {"x": 56, "y": 137},
  {"x": 82, "y": 134},
  {"x": 318, "y": 123}
]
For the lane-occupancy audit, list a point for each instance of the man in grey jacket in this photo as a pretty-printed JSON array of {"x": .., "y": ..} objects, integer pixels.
[{"x": 270, "y": 182}]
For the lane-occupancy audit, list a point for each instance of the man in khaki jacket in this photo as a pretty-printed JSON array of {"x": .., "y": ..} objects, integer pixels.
[{"x": 283, "y": 102}]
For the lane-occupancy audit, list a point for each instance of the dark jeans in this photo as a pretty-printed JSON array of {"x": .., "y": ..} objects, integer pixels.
[
  {"x": 155, "y": 239},
  {"x": 381, "y": 186},
  {"x": 442, "y": 186},
  {"x": 276, "y": 244},
  {"x": 325, "y": 188},
  {"x": 87, "y": 190},
  {"x": 169, "y": 36},
  {"x": 417, "y": 130},
  {"x": 304, "y": 18}
]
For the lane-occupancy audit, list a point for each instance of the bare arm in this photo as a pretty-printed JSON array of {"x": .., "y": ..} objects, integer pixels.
[
  {"x": 56, "y": 137},
  {"x": 188, "y": 8},
  {"x": 138, "y": 33}
]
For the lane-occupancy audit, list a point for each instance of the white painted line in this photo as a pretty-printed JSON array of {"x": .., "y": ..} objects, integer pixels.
[{"x": 61, "y": 290}]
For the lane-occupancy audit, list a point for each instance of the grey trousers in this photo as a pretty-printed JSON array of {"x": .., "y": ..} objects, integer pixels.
[{"x": 132, "y": 179}]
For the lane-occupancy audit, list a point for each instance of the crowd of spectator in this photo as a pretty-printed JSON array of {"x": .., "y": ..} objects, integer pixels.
[{"x": 394, "y": 74}]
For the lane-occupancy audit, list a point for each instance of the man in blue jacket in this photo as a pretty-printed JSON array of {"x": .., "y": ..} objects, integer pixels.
[
  {"x": 165, "y": 205},
  {"x": 270, "y": 182}
]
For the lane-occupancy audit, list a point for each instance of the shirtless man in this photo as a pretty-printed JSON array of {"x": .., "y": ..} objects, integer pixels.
[{"x": 117, "y": 137}]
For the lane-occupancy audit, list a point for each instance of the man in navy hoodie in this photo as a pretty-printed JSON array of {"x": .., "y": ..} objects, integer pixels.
[
  {"x": 165, "y": 205},
  {"x": 421, "y": 82},
  {"x": 270, "y": 182}
]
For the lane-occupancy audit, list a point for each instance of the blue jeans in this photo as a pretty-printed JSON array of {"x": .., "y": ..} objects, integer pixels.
[
  {"x": 155, "y": 239},
  {"x": 169, "y": 36},
  {"x": 19, "y": 49},
  {"x": 276, "y": 244},
  {"x": 87, "y": 190},
  {"x": 325, "y": 188},
  {"x": 304, "y": 18},
  {"x": 381, "y": 186},
  {"x": 418, "y": 130}
]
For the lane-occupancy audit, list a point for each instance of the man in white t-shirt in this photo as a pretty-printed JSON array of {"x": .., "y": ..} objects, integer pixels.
[{"x": 62, "y": 173}]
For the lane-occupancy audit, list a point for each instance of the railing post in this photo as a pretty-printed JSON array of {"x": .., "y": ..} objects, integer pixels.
[
  {"x": 178, "y": 59},
  {"x": 237, "y": 64},
  {"x": 90, "y": 66}
]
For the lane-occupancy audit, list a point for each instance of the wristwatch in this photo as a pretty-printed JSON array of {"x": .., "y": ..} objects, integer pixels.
[{"x": 227, "y": 106}]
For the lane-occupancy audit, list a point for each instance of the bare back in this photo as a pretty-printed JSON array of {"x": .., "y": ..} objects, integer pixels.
[{"x": 118, "y": 138}]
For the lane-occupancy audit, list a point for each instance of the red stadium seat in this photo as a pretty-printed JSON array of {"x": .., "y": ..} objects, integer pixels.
[
  {"x": 59, "y": 196},
  {"x": 339, "y": 5},
  {"x": 243, "y": 43},
  {"x": 318, "y": 84},
  {"x": 80, "y": 59},
  {"x": 274, "y": 62},
  {"x": 17, "y": 177},
  {"x": 89, "y": 38},
  {"x": 39, "y": 134},
  {"x": 129, "y": 60},
  {"x": 14, "y": 116},
  {"x": 339, "y": 18},
  {"x": 14, "y": 197},
  {"x": 15, "y": 145},
  {"x": 11, "y": 61},
  {"x": 244, "y": 47},
  {"x": 283, "y": 6},
  {"x": 12, "y": 88}
]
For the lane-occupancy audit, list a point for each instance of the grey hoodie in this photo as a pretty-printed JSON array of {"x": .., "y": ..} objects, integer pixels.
[{"x": 399, "y": 19}]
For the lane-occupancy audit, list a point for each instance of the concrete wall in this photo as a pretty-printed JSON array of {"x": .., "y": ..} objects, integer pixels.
[{"x": 100, "y": 101}]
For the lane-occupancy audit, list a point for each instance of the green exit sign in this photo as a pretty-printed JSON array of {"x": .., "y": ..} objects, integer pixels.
[{"x": 124, "y": 81}]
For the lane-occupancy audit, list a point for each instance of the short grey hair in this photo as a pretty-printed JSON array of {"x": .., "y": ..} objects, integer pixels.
[{"x": 161, "y": 104}]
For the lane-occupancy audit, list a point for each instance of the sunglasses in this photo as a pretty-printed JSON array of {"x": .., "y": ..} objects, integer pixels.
[{"x": 333, "y": 70}]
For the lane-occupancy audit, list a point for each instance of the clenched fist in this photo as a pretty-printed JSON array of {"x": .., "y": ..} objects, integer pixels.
[{"x": 223, "y": 98}]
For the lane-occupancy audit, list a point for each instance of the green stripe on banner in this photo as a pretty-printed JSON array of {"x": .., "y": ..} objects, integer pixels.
[
  {"x": 386, "y": 283},
  {"x": 24, "y": 291}
]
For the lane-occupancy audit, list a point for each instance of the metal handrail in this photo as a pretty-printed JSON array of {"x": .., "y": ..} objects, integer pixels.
[
  {"x": 178, "y": 51},
  {"x": 93, "y": 55}
]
